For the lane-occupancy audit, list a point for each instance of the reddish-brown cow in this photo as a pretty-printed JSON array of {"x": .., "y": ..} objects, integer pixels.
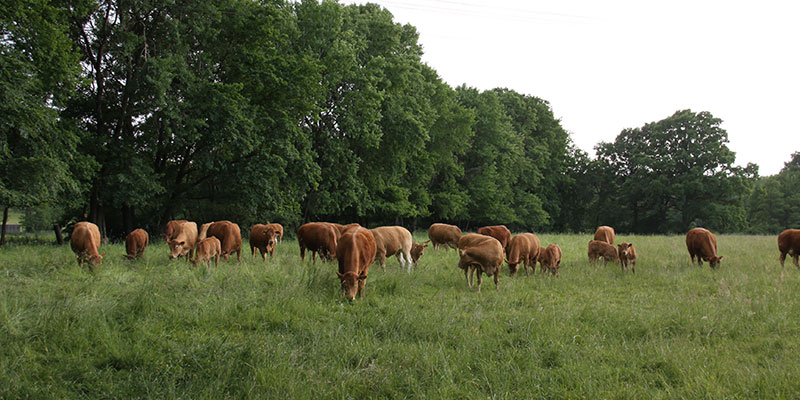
[
  {"x": 85, "y": 242},
  {"x": 135, "y": 243},
  {"x": 417, "y": 250},
  {"x": 551, "y": 258},
  {"x": 444, "y": 235},
  {"x": 183, "y": 241},
  {"x": 482, "y": 253},
  {"x": 523, "y": 248},
  {"x": 263, "y": 237},
  {"x": 605, "y": 234},
  {"x": 317, "y": 237},
  {"x": 229, "y": 235},
  {"x": 278, "y": 228},
  {"x": 355, "y": 251},
  {"x": 627, "y": 255},
  {"x": 702, "y": 244},
  {"x": 499, "y": 232},
  {"x": 207, "y": 248},
  {"x": 599, "y": 248},
  {"x": 170, "y": 230},
  {"x": 789, "y": 243},
  {"x": 393, "y": 240}
]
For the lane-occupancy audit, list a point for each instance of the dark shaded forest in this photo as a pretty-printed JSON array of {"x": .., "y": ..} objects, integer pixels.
[{"x": 132, "y": 113}]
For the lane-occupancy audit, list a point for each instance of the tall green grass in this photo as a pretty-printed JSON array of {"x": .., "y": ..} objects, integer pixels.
[{"x": 156, "y": 328}]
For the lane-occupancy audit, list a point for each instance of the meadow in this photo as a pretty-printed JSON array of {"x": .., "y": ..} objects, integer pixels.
[{"x": 156, "y": 328}]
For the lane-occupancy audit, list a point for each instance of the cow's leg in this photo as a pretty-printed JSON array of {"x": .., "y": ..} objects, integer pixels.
[
  {"x": 314, "y": 257},
  {"x": 361, "y": 284},
  {"x": 302, "y": 253},
  {"x": 466, "y": 277},
  {"x": 783, "y": 258},
  {"x": 216, "y": 260},
  {"x": 796, "y": 259},
  {"x": 480, "y": 279},
  {"x": 253, "y": 250},
  {"x": 496, "y": 279},
  {"x": 407, "y": 258},
  {"x": 239, "y": 254},
  {"x": 263, "y": 254},
  {"x": 382, "y": 259}
]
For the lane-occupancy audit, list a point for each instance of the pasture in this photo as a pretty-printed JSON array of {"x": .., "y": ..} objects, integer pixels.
[{"x": 156, "y": 328}]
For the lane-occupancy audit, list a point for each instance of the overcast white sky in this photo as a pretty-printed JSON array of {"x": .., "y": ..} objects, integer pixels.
[{"x": 609, "y": 65}]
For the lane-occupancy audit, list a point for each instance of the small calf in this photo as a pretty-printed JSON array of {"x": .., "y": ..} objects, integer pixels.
[
  {"x": 207, "y": 248},
  {"x": 416, "y": 252},
  {"x": 598, "y": 248},
  {"x": 551, "y": 258},
  {"x": 627, "y": 255}
]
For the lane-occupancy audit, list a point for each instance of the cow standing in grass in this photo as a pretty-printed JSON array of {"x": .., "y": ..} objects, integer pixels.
[
  {"x": 85, "y": 243},
  {"x": 551, "y": 259},
  {"x": 599, "y": 248},
  {"x": 183, "y": 241},
  {"x": 789, "y": 243},
  {"x": 319, "y": 238},
  {"x": 263, "y": 237},
  {"x": 480, "y": 253},
  {"x": 355, "y": 252},
  {"x": 523, "y": 248},
  {"x": 393, "y": 240},
  {"x": 207, "y": 248},
  {"x": 444, "y": 235},
  {"x": 627, "y": 256},
  {"x": 229, "y": 235},
  {"x": 702, "y": 244},
  {"x": 135, "y": 243}
]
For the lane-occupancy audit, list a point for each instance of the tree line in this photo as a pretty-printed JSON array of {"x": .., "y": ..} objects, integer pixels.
[{"x": 130, "y": 114}]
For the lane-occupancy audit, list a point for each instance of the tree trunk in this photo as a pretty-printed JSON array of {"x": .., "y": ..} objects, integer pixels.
[
  {"x": 127, "y": 218},
  {"x": 59, "y": 238},
  {"x": 97, "y": 216},
  {"x": 5, "y": 220}
]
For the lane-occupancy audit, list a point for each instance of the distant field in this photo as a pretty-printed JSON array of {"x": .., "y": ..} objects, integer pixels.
[{"x": 160, "y": 329}]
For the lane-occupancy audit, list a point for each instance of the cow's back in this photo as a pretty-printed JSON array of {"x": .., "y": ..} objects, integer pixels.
[
  {"x": 136, "y": 242},
  {"x": 789, "y": 241},
  {"x": 187, "y": 232},
  {"x": 392, "y": 239},
  {"x": 518, "y": 248},
  {"x": 499, "y": 232},
  {"x": 85, "y": 238},
  {"x": 487, "y": 253},
  {"x": 605, "y": 234},
  {"x": 440, "y": 233},
  {"x": 355, "y": 251},
  {"x": 171, "y": 228},
  {"x": 702, "y": 242}
]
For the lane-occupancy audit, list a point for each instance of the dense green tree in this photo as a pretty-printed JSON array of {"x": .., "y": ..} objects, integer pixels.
[
  {"x": 674, "y": 174},
  {"x": 774, "y": 204}
]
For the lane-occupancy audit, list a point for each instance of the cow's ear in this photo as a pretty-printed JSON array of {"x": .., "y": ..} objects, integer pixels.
[
  {"x": 181, "y": 243},
  {"x": 362, "y": 277},
  {"x": 719, "y": 258},
  {"x": 340, "y": 274}
]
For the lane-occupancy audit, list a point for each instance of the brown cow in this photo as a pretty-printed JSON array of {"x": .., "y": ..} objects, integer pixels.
[
  {"x": 702, "y": 244},
  {"x": 627, "y": 255},
  {"x": 318, "y": 237},
  {"x": 523, "y": 248},
  {"x": 444, "y": 235},
  {"x": 183, "y": 241},
  {"x": 278, "y": 228},
  {"x": 551, "y": 258},
  {"x": 539, "y": 259},
  {"x": 417, "y": 250},
  {"x": 789, "y": 243},
  {"x": 393, "y": 240},
  {"x": 356, "y": 251},
  {"x": 499, "y": 232},
  {"x": 263, "y": 237},
  {"x": 207, "y": 248},
  {"x": 605, "y": 234},
  {"x": 599, "y": 248},
  {"x": 228, "y": 234},
  {"x": 171, "y": 228},
  {"x": 85, "y": 242},
  {"x": 482, "y": 253},
  {"x": 135, "y": 243}
]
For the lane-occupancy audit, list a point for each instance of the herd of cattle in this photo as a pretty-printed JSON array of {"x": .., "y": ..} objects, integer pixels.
[{"x": 356, "y": 247}]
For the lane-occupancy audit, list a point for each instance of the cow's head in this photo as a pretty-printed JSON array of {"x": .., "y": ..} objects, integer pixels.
[
  {"x": 513, "y": 267},
  {"x": 177, "y": 248},
  {"x": 95, "y": 259},
  {"x": 350, "y": 283},
  {"x": 714, "y": 261},
  {"x": 416, "y": 252},
  {"x": 271, "y": 235},
  {"x": 623, "y": 249}
]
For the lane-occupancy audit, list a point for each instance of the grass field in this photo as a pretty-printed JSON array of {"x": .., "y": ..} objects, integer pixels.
[{"x": 156, "y": 328}]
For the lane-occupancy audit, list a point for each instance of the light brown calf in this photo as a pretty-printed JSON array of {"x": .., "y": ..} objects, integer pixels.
[
  {"x": 135, "y": 243},
  {"x": 207, "y": 248},
  {"x": 627, "y": 256}
]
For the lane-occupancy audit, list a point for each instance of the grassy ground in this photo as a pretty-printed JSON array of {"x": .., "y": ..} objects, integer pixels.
[{"x": 160, "y": 329}]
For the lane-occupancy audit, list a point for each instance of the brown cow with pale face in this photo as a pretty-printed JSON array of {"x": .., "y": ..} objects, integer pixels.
[
  {"x": 702, "y": 244},
  {"x": 598, "y": 249},
  {"x": 605, "y": 234},
  {"x": 85, "y": 243},
  {"x": 263, "y": 237},
  {"x": 183, "y": 241},
  {"x": 627, "y": 256},
  {"x": 444, "y": 235},
  {"x": 135, "y": 243},
  {"x": 207, "y": 248},
  {"x": 480, "y": 253},
  {"x": 355, "y": 251},
  {"x": 789, "y": 243}
]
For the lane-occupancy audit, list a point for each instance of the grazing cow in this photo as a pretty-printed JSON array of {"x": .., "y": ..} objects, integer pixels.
[
  {"x": 523, "y": 248},
  {"x": 278, "y": 228},
  {"x": 482, "y": 253},
  {"x": 789, "y": 243},
  {"x": 417, "y": 250},
  {"x": 135, "y": 243},
  {"x": 228, "y": 234},
  {"x": 207, "y": 248},
  {"x": 702, "y": 244},
  {"x": 317, "y": 237},
  {"x": 605, "y": 234},
  {"x": 599, "y": 248},
  {"x": 85, "y": 242},
  {"x": 171, "y": 228},
  {"x": 183, "y": 241},
  {"x": 355, "y": 252},
  {"x": 539, "y": 259},
  {"x": 499, "y": 232},
  {"x": 444, "y": 235},
  {"x": 393, "y": 240},
  {"x": 551, "y": 258},
  {"x": 263, "y": 237},
  {"x": 627, "y": 255}
]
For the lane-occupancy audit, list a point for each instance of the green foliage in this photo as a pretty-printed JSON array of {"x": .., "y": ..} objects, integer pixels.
[
  {"x": 774, "y": 203},
  {"x": 161, "y": 329}
]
